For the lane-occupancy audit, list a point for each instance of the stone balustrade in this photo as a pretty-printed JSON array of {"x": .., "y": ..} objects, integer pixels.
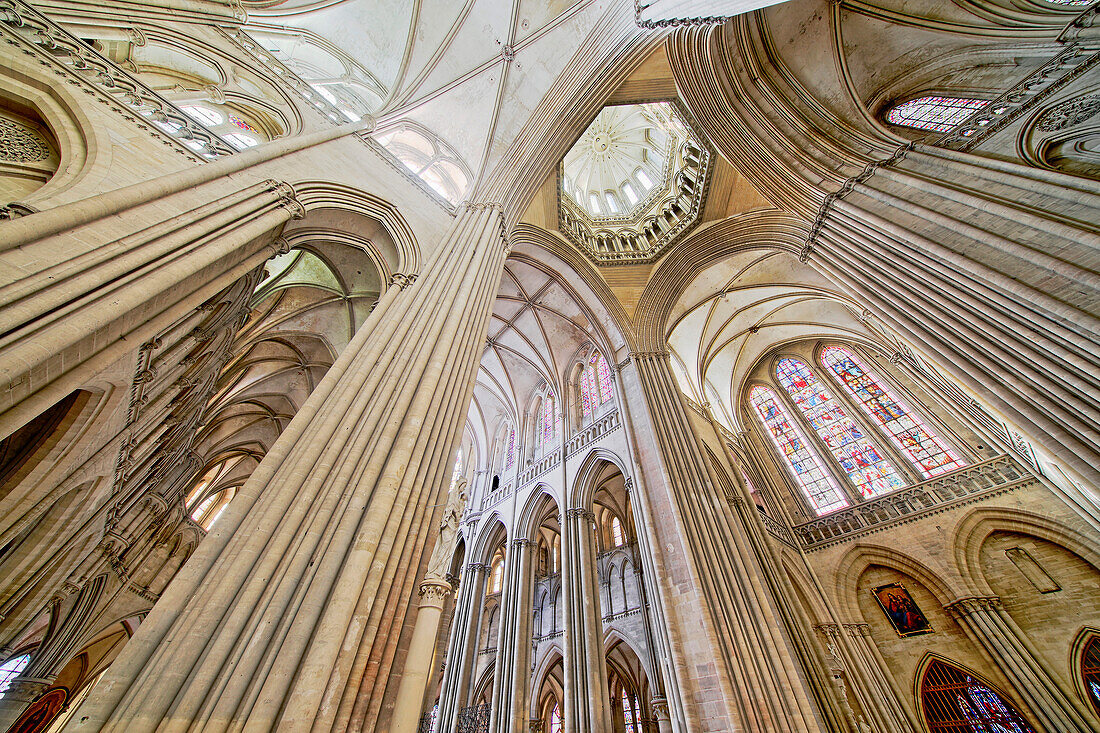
[
  {"x": 971, "y": 483},
  {"x": 592, "y": 432}
]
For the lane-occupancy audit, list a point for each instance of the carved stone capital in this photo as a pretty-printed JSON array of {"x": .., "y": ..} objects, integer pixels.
[
  {"x": 973, "y": 604},
  {"x": 521, "y": 543},
  {"x": 279, "y": 246},
  {"x": 26, "y": 689},
  {"x": 640, "y": 355},
  {"x": 857, "y": 631},
  {"x": 660, "y": 708},
  {"x": 477, "y": 567},
  {"x": 830, "y": 631},
  {"x": 434, "y": 593},
  {"x": 402, "y": 280},
  {"x": 578, "y": 512}
]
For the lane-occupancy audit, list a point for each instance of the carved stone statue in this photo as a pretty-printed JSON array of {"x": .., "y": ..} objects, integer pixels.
[{"x": 440, "y": 562}]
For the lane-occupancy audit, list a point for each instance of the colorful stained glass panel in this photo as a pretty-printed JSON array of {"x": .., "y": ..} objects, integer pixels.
[
  {"x": 820, "y": 489},
  {"x": 864, "y": 462},
  {"x": 603, "y": 378},
  {"x": 905, "y": 428},
  {"x": 586, "y": 393},
  {"x": 511, "y": 455},
  {"x": 940, "y": 114}
]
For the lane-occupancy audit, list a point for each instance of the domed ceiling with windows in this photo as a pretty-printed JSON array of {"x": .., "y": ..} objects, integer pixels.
[{"x": 633, "y": 183}]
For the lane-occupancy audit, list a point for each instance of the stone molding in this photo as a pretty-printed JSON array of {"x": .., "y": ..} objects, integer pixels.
[{"x": 121, "y": 91}]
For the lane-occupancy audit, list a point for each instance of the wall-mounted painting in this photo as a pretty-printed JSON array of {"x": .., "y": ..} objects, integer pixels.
[{"x": 904, "y": 614}]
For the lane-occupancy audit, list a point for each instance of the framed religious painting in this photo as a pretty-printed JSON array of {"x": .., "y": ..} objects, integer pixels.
[{"x": 902, "y": 611}]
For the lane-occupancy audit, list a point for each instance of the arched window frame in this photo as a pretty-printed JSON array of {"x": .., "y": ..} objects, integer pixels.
[
  {"x": 553, "y": 723},
  {"x": 944, "y": 670},
  {"x": 889, "y": 477},
  {"x": 595, "y": 387},
  {"x": 547, "y": 423},
  {"x": 827, "y": 486},
  {"x": 437, "y": 168},
  {"x": 1088, "y": 667}
]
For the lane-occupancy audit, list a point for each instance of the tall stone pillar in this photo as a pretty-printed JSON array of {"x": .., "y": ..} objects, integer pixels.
[
  {"x": 18, "y": 697},
  {"x": 420, "y": 660},
  {"x": 733, "y": 651},
  {"x": 421, "y": 657},
  {"x": 514, "y": 646},
  {"x": 587, "y": 702},
  {"x": 987, "y": 623},
  {"x": 280, "y": 621},
  {"x": 120, "y": 285},
  {"x": 462, "y": 648},
  {"x": 877, "y": 694}
]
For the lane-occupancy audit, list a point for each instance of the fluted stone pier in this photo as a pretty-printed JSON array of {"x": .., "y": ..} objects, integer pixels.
[{"x": 280, "y": 621}]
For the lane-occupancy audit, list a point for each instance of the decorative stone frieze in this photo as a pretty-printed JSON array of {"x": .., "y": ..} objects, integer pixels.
[
  {"x": 1068, "y": 114},
  {"x": 20, "y": 143}
]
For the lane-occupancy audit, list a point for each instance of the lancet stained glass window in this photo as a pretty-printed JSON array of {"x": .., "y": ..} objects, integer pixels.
[
  {"x": 555, "y": 719},
  {"x": 551, "y": 422},
  {"x": 629, "y": 712},
  {"x": 603, "y": 377},
  {"x": 802, "y": 459},
  {"x": 617, "y": 532},
  {"x": 956, "y": 702},
  {"x": 510, "y": 456},
  {"x": 864, "y": 463},
  {"x": 906, "y": 429},
  {"x": 940, "y": 114},
  {"x": 1090, "y": 671},
  {"x": 595, "y": 385}
]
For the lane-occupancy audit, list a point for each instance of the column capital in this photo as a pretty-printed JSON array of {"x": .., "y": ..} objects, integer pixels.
[
  {"x": 828, "y": 630},
  {"x": 434, "y": 593},
  {"x": 535, "y": 725},
  {"x": 476, "y": 567},
  {"x": 579, "y": 512},
  {"x": 521, "y": 542},
  {"x": 640, "y": 355},
  {"x": 858, "y": 630},
  {"x": 402, "y": 280},
  {"x": 972, "y": 604},
  {"x": 26, "y": 689},
  {"x": 660, "y": 708}
]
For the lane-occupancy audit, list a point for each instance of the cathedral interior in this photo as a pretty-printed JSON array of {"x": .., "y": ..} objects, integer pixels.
[{"x": 550, "y": 366}]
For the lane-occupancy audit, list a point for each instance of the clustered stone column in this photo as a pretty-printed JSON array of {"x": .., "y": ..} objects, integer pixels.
[
  {"x": 294, "y": 580},
  {"x": 986, "y": 621},
  {"x": 586, "y": 705},
  {"x": 420, "y": 659},
  {"x": 745, "y": 673},
  {"x": 462, "y": 648},
  {"x": 514, "y": 640}
]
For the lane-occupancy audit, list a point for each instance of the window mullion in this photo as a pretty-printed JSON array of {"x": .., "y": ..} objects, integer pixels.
[
  {"x": 875, "y": 433},
  {"x": 829, "y": 462}
]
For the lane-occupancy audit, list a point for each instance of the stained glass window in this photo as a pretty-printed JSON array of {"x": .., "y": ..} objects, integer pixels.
[
  {"x": 906, "y": 429},
  {"x": 940, "y": 114},
  {"x": 617, "y": 532},
  {"x": 864, "y": 463},
  {"x": 555, "y": 719},
  {"x": 551, "y": 422},
  {"x": 603, "y": 377},
  {"x": 242, "y": 123},
  {"x": 10, "y": 669},
  {"x": 802, "y": 459},
  {"x": 586, "y": 393},
  {"x": 629, "y": 712},
  {"x": 510, "y": 456},
  {"x": 1090, "y": 670},
  {"x": 956, "y": 702},
  {"x": 205, "y": 115},
  {"x": 496, "y": 576}
]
